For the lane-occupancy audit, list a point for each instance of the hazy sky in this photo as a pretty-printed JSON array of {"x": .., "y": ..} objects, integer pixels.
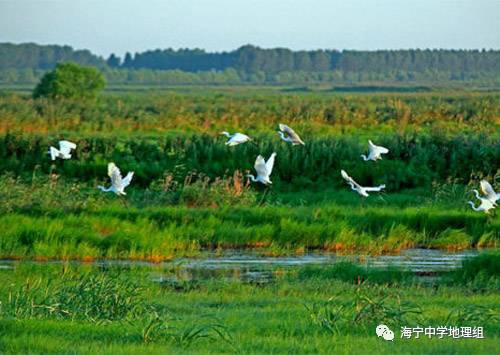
[{"x": 126, "y": 25}]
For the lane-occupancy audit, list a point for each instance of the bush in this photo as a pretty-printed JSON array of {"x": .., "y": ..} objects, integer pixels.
[{"x": 70, "y": 80}]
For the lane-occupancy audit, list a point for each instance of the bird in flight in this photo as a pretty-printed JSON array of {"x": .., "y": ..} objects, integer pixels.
[
  {"x": 118, "y": 184},
  {"x": 485, "y": 205},
  {"x": 362, "y": 190},
  {"x": 64, "y": 151},
  {"x": 235, "y": 139},
  {"x": 291, "y": 136},
  {"x": 488, "y": 191},
  {"x": 263, "y": 169},
  {"x": 375, "y": 152}
]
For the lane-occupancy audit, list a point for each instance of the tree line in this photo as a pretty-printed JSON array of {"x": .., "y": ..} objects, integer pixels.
[{"x": 25, "y": 63}]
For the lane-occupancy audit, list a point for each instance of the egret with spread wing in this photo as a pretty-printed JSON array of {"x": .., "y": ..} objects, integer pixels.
[
  {"x": 488, "y": 191},
  {"x": 263, "y": 169},
  {"x": 118, "y": 184},
  {"x": 64, "y": 151},
  {"x": 375, "y": 153},
  {"x": 291, "y": 136},
  {"x": 235, "y": 139},
  {"x": 485, "y": 205},
  {"x": 363, "y": 191}
]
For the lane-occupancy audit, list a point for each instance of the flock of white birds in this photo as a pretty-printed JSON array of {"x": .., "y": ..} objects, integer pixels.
[{"x": 488, "y": 200}]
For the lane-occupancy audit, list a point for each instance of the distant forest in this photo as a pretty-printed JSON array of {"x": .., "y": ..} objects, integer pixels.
[{"x": 25, "y": 63}]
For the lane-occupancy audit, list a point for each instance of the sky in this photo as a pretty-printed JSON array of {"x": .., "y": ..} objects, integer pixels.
[{"x": 118, "y": 26}]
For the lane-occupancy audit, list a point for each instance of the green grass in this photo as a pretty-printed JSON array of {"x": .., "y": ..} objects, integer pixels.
[
  {"x": 54, "y": 219},
  {"x": 189, "y": 194},
  {"x": 300, "y": 313}
]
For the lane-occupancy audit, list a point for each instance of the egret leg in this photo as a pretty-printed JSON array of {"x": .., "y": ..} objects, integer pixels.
[
  {"x": 124, "y": 201},
  {"x": 264, "y": 196},
  {"x": 363, "y": 199}
]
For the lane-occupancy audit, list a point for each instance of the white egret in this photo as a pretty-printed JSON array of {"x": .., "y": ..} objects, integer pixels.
[
  {"x": 375, "y": 153},
  {"x": 263, "y": 169},
  {"x": 363, "y": 191},
  {"x": 292, "y": 137},
  {"x": 118, "y": 184},
  {"x": 235, "y": 139},
  {"x": 64, "y": 151},
  {"x": 488, "y": 191},
  {"x": 485, "y": 205}
]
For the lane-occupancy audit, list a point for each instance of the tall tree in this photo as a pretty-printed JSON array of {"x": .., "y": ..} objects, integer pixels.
[{"x": 113, "y": 61}]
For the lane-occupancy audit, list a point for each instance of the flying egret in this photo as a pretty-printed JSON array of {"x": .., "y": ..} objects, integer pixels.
[
  {"x": 235, "y": 139},
  {"x": 292, "y": 136},
  {"x": 488, "y": 191},
  {"x": 375, "y": 153},
  {"x": 64, "y": 151},
  {"x": 118, "y": 184},
  {"x": 363, "y": 191},
  {"x": 263, "y": 169},
  {"x": 485, "y": 205}
]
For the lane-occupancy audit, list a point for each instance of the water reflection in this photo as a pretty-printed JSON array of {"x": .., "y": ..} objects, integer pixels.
[{"x": 250, "y": 266}]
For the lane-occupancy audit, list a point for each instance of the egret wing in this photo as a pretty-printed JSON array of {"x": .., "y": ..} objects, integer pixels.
[
  {"x": 291, "y": 133},
  {"x": 66, "y": 146},
  {"x": 377, "y": 188},
  {"x": 371, "y": 146},
  {"x": 54, "y": 153},
  {"x": 127, "y": 179},
  {"x": 487, "y": 189},
  {"x": 260, "y": 166},
  {"x": 383, "y": 150},
  {"x": 115, "y": 175},
  {"x": 284, "y": 128},
  {"x": 377, "y": 148},
  {"x": 349, "y": 179},
  {"x": 270, "y": 164},
  {"x": 240, "y": 138}
]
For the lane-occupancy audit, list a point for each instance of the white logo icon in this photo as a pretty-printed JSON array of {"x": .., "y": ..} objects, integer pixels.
[{"x": 383, "y": 331}]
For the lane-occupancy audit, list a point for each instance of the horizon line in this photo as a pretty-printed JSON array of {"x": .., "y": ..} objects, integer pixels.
[{"x": 257, "y": 46}]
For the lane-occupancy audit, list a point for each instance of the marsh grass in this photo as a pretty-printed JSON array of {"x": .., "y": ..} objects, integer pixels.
[
  {"x": 364, "y": 309},
  {"x": 52, "y": 218},
  {"x": 480, "y": 273},
  {"x": 356, "y": 274},
  {"x": 189, "y": 190},
  {"x": 416, "y": 161},
  {"x": 92, "y": 297},
  {"x": 160, "y": 328},
  {"x": 293, "y": 315}
]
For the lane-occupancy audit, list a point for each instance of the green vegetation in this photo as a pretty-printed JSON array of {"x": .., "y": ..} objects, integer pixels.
[
  {"x": 189, "y": 190},
  {"x": 52, "y": 219},
  {"x": 109, "y": 309},
  {"x": 24, "y": 63},
  {"x": 70, "y": 81},
  {"x": 189, "y": 194}
]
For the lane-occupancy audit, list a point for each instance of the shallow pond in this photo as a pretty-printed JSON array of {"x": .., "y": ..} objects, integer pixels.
[{"x": 250, "y": 266}]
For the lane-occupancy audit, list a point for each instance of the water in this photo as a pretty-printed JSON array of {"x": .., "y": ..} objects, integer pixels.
[
  {"x": 249, "y": 266},
  {"x": 417, "y": 260}
]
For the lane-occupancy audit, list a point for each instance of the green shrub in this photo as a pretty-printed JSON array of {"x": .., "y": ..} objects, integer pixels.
[{"x": 70, "y": 81}]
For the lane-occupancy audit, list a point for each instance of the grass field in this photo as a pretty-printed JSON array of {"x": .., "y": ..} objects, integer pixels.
[
  {"x": 190, "y": 194},
  {"x": 82, "y": 309}
]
